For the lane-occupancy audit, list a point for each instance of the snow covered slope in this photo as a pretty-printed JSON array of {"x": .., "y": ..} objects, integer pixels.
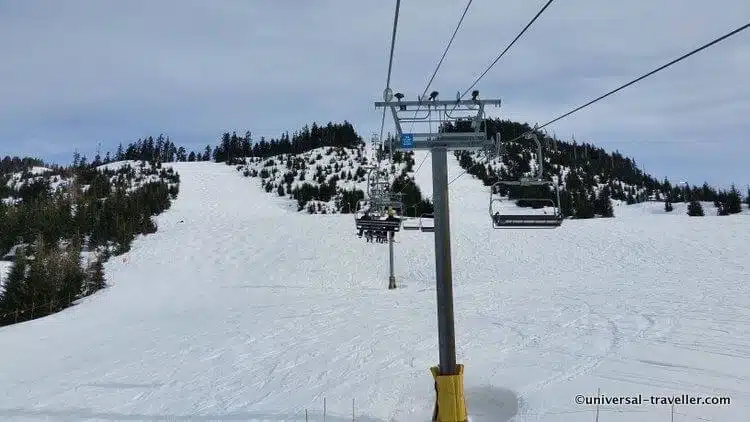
[
  {"x": 339, "y": 169},
  {"x": 240, "y": 309}
]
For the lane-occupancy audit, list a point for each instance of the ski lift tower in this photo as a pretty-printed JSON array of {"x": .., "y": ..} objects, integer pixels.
[
  {"x": 460, "y": 127},
  {"x": 381, "y": 203}
]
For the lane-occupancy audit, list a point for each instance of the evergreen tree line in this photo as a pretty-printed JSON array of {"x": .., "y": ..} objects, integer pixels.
[
  {"x": 19, "y": 165},
  {"x": 105, "y": 217},
  {"x": 726, "y": 203},
  {"x": 232, "y": 147},
  {"x": 703, "y": 193},
  {"x": 159, "y": 150}
]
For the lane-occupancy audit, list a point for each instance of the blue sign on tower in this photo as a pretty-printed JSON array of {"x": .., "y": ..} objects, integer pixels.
[{"x": 407, "y": 140}]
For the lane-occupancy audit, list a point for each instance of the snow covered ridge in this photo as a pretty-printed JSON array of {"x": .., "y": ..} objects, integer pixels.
[
  {"x": 139, "y": 173},
  {"x": 132, "y": 173},
  {"x": 16, "y": 181},
  {"x": 318, "y": 179}
]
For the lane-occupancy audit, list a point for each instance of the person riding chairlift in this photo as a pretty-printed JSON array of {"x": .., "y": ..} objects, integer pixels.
[
  {"x": 391, "y": 216},
  {"x": 366, "y": 216}
]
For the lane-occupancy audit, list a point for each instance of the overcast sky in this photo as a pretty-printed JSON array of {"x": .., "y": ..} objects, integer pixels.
[{"x": 75, "y": 73}]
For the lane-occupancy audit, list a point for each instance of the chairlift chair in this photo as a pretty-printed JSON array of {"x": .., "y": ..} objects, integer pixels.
[
  {"x": 367, "y": 219},
  {"x": 427, "y": 223},
  {"x": 525, "y": 221},
  {"x": 411, "y": 223}
]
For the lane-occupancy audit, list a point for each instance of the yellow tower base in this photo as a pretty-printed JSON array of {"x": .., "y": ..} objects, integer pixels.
[{"x": 450, "y": 404}]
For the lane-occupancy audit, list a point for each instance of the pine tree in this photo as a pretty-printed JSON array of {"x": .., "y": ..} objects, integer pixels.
[
  {"x": 734, "y": 201},
  {"x": 149, "y": 225},
  {"x": 97, "y": 160},
  {"x": 583, "y": 206},
  {"x": 247, "y": 141},
  {"x": 565, "y": 204},
  {"x": 603, "y": 204},
  {"x": 71, "y": 275},
  {"x": 95, "y": 277},
  {"x": 15, "y": 293},
  {"x": 39, "y": 281},
  {"x": 695, "y": 209},
  {"x": 668, "y": 205}
]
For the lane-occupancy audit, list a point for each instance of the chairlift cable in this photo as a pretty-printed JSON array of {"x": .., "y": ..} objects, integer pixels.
[
  {"x": 434, "y": 73},
  {"x": 684, "y": 56},
  {"x": 520, "y": 34},
  {"x": 445, "y": 52},
  {"x": 601, "y": 97},
  {"x": 390, "y": 65}
]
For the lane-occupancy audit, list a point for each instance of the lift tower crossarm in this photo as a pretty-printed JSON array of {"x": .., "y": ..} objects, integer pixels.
[
  {"x": 473, "y": 110},
  {"x": 436, "y": 103}
]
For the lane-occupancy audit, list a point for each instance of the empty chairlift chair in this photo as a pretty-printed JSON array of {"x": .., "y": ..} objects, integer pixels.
[
  {"x": 411, "y": 223},
  {"x": 547, "y": 220},
  {"x": 427, "y": 223},
  {"x": 550, "y": 219}
]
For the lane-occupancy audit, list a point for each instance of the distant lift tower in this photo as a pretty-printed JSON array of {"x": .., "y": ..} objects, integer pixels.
[
  {"x": 381, "y": 213},
  {"x": 461, "y": 126}
]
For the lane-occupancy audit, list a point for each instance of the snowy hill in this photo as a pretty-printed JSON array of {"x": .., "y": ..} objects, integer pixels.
[
  {"x": 15, "y": 182},
  {"x": 327, "y": 172},
  {"x": 135, "y": 174},
  {"x": 239, "y": 308}
]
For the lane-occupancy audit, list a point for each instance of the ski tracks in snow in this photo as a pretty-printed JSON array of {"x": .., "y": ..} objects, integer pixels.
[{"x": 247, "y": 307}]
